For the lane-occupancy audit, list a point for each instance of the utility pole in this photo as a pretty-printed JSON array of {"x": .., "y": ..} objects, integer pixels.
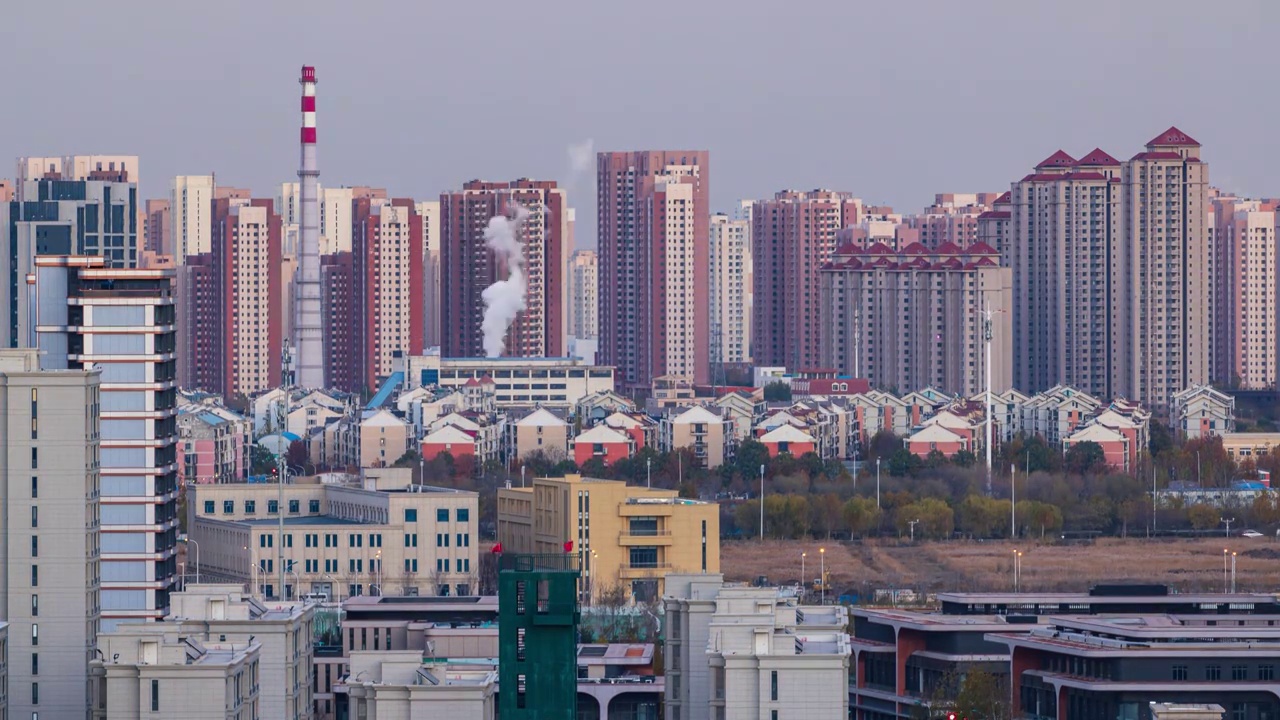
[
  {"x": 762, "y": 503},
  {"x": 986, "y": 335},
  {"x": 912, "y": 523},
  {"x": 1013, "y": 501}
]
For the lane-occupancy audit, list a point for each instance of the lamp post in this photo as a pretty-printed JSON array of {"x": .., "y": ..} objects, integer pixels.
[
  {"x": 336, "y": 589},
  {"x": 1017, "y": 569},
  {"x": 822, "y": 573},
  {"x": 378, "y": 559},
  {"x": 591, "y": 579},
  {"x": 1224, "y": 569},
  {"x": 1233, "y": 573},
  {"x": 1227, "y": 522},
  {"x": 912, "y": 523},
  {"x": 762, "y": 503},
  {"x": 803, "y": 581},
  {"x": 877, "y": 483},
  {"x": 648, "y": 473}
]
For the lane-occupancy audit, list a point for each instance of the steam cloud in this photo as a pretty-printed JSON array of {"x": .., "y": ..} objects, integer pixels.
[
  {"x": 504, "y": 299},
  {"x": 581, "y": 157}
]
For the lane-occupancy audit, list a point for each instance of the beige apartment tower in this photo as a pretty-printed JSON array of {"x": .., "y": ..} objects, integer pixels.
[
  {"x": 49, "y": 521},
  {"x": 627, "y": 538}
]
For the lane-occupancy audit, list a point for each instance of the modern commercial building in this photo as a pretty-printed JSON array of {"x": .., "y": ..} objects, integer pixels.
[
  {"x": 191, "y": 215},
  {"x": 380, "y": 537},
  {"x": 584, "y": 297},
  {"x": 468, "y": 266},
  {"x": 1110, "y": 266},
  {"x": 549, "y": 381},
  {"x": 212, "y": 615},
  {"x": 743, "y": 653},
  {"x": 49, "y": 564},
  {"x": 653, "y": 226},
  {"x": 122, "y": 322},
  {"x": 1246, "y": 281},
  {"x": 792, "y": 236},
  {"x": 732, "y": 290},
  {"x": 1091, "y": 666},
  {"x": 109, "y": 168},
  {"x": 55, "y": 216},
  {"x": 914, "y": 318},
  {"x": 626, "y": 538}
]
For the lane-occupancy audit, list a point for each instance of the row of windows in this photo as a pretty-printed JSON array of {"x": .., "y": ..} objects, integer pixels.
[{"x": 442, "y": 515}]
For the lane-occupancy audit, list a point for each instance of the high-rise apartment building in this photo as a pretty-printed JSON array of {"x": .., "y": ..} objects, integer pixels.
[
  {"x": 191, "y": 214},
  {"x": 953, "y": 218},
  {"x": 468, "y": 266},
  {"x": 387, "y": 259},
  {"x": 915, "y": 319},
  {"x": 1069, "y": 275},
  {"x": 731, "y": 290},
  {"x": 339, "y": 311},
  {"x": 122, "y": 322},
  {"x": 1166, "y": 191},
  {"x": 653, "y": 226},
  {"x": 430, "y": 212},
  {"x": 1111, "y": 272},
  {"x": 49, "y": 545},
  {"x": 1245, "y": 292},
  {"x": 993, "y": 228},
  {"x": 792, "y": 235},
  {"x": 584, "y": 286},
  {"x": 157, "y": 227},
  {"x": 336, "y": 221}
]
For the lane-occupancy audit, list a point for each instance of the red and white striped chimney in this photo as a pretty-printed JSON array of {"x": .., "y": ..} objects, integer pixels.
[{"x": 308, "y": 338}]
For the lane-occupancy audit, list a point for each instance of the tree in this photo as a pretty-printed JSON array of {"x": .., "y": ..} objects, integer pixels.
[
  {"x": 982, "y": 696},
  {"x": 1039, "y": 516},
  {"x": 964, "y": 458},
  {"x": 1202, "y": 516},
  {"x": 261, "y": 460},
  {"x": 750, "y": 456},
  {"x": 982, "y": 516},
  {"x": 861, "y": 515},
  {"x": 777, "y": 391},
  {"x": 937, "y": 519},
  {"x": 825, "y": 514},
  {"x": 903, "y": 462},
  {"x": 1085, "y": 458},
  {"x": 883, "y": 444},
  {"x": 1161, "y": 438}
]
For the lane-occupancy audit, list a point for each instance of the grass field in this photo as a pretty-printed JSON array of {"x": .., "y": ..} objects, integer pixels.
[{"x": 1187, "y": 565}]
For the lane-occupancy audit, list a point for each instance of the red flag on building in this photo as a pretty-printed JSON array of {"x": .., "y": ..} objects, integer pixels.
[
  {"x": 497, "y": 549},
  {"x": 568, "y": 546}
]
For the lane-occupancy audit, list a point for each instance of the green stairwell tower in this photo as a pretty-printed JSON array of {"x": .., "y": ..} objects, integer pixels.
[{"x": 538, "y": 637}]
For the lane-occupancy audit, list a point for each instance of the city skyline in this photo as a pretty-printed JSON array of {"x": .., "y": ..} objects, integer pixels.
[{"x": 1119, "y": 96}]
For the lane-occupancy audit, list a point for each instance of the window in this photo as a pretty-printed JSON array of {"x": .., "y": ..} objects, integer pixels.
[
  {"x": 313, "y": 506},
  {"x": 250, "y": 507},
  {"x": 355, "y": 540},
  {"x": 294, "y": 507},
  {"x": 411, "y": 540},
  {"x": 442, "y": 539},
  {"x": 35, "y": 663},
  {"x": 273, "y": 507},
  {"x": 773, "y": 686},
  {"x": 1267, "y": 672},
  {"x": 410, "y": 515},
  {"x": 155, "y": 695},
  {"x": 35, "y": 576},
  {"x": 265, "y": 541},
  {"x": 1239, "y": 672},
  {"x": 35, "y": 488},
  {"x": 228, "y": 507},
  {"x": 35, "y": 693},
  {"x": 411, "y": 565},
  {"x": 442, "y": 565},
  {"x": 35, "y": 546},
  {"x": 35, "y": 606},
  {"x": 442, "y": 515},
  {"x": 35, "y": 458},
  {"x": 288, "y": 540},
  {"x": 35, "y": 634},
  {"x": 375, "y": 539},
  {"x": 464, "y": 540},
  {"x": 464, "y": 514},
  {"x": 644, "y": 557},
  {"x": 35, "y": 516},
  {"x": 1213, "y": 673},
  {"x": 208, "y": 507}
]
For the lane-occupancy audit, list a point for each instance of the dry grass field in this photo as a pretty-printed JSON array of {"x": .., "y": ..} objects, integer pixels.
[{"x": 1187, "y": 565}]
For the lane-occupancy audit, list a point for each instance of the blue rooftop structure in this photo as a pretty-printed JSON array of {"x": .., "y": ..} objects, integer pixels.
[{"x": 384, "y": 393}]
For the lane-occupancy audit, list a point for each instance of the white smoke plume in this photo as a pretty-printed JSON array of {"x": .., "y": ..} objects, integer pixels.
[
  {"x": 504, "y": 299},
  {"x": 581, "y": 157}
]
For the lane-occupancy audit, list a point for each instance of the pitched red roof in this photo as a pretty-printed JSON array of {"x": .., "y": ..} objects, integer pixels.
[
  {"x": 1058, "y": 159},
  {"x": 1172, "y": 136},
  {"x": 878, "y": 248},
  {"x": 915, "y": 248},
  {"x": 947, "y": 248},
  {"x": 1004, "y": 199},
  {"x": 994, "y": 215},
  {"x": 1088, "y": 175},
  {"x": 980, "y": 248},
  {"x": 1098, "y": 157},
  {"x": 1157, "y": 155}
]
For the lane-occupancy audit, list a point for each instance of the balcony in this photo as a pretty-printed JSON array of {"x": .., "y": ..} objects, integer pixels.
[
  {"x": 659, "y": 537},
  {"x": 654, "y": 570}
]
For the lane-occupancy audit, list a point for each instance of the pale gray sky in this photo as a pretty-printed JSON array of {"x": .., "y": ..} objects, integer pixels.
[{"x": 892, "y": 100}]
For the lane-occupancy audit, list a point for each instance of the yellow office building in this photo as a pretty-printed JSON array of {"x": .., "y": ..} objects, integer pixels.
[{"x": 628, "y": 539}]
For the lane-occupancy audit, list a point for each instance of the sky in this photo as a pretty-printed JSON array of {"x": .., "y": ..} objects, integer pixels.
[{"x": 892, "y": 101}]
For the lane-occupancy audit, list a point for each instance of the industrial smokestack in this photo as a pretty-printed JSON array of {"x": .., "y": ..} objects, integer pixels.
[{"x": 306, "y": 327}]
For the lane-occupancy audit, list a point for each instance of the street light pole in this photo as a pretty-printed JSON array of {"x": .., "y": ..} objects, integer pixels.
[
  {"x": 197, "y": 558},
  {"x": 912, "y": 523},
  {"x": 1233, "y": 573},
  {"x": 1224, "y": 569},
  {"x": 1227, "y": 522},
  {"x": 877, "y": 483},
  {"x": 803, "y": 581},
  {"x": 822, "y": 555}
]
